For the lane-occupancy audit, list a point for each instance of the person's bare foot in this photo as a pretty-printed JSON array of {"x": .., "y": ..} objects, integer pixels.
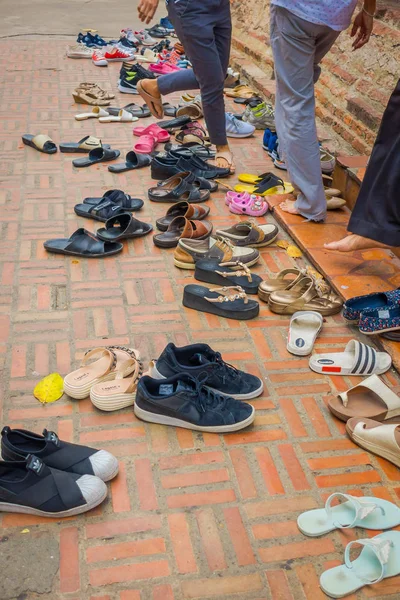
[
  {"x": 224, "y": 158},
  {"x": 289, "y": 207},
  {"x": 354, "y": 242}
]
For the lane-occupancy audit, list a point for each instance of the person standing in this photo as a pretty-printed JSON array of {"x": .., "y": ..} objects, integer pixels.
[
  {"x": 375, "y": 220},
  {"x": 302, "y": 33},
  {"x": 205, "y": 28}
]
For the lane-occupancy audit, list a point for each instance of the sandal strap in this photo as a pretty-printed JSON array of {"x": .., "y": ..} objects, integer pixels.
[
  {"x": 380, "y": 547},
  {"x": 362, "y": 508},
  {"x": 365, "y": 357},
  {"x": 107, "y": 351},
  {"x": 386, "y": 395},
  {"x": 229, "y": 294},
  {"x": 244, "y": 273}
]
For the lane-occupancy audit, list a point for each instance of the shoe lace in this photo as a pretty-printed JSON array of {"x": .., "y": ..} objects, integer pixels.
[
  {"x": 203, "y": 397},
  {"x": 224, "y": 369}
]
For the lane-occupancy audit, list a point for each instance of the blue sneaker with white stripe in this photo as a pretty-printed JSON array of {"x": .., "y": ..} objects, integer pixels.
[{"x": 236, "y": 128}]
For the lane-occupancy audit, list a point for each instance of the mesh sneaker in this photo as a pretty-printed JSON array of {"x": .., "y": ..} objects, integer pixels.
[
  {"x": 236, "y": 128},
  {"x": 128, "y": 33},
  {"x": 188, "y": 252},
  {"x": 198, "y": 359},
  {"x": 141, "y": 72},
  {"x": 144, "y": 38},
  {"x": 261, "y": 116},
  {"x": 183, "y": 401}
]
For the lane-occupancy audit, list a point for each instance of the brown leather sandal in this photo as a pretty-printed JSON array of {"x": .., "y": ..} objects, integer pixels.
[
  {"x": 153, "y": 102},
  {"x": 182, "y": 209},
  {"x": 181, "y": 227}
]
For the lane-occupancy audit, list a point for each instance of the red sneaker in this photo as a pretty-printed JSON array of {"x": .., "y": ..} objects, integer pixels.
[
  {"x": 118, "y": 55},
  {"x": 98, "y": 59}
]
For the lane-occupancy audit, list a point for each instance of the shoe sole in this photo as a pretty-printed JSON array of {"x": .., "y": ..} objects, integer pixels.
[
  {"x": 112, "y": 403},
  {"x": 27, "y": 510},
  {"x": 182, "y": 265},
  {"x": 150, "y": 417},
  {"x": 378, "y": 450},
  {"x": 84, "y": 391},
  {"x": 239, "y": 135},
  {"x": 155, "y": 374},
  {"x": 126, "y": 90}
]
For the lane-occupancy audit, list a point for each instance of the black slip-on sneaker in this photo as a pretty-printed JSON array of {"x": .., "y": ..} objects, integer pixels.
[
  {"x": 197, "y": 359},
  {"x": 183, "y": 401},
  {"x": 32, "y": 488},
  {"x": 163, "y": 167},
  {"x": 17, "y": 444}
]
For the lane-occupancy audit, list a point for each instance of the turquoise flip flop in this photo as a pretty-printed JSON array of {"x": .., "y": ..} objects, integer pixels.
[
  {"x": 366, "y": 512},
  {"x": 379, "y": 559}
]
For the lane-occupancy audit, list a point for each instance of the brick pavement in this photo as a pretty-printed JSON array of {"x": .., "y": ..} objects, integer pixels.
[{"x": 191, "y": 515}]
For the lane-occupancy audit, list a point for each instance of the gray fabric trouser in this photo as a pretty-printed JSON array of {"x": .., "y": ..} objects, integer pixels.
[
  {"x": 298, "y": 47},
  {"x": 204, "y": 27}
]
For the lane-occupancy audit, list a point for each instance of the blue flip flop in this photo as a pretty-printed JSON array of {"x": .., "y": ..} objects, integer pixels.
[
  {"x": 366, "y": 512},
  {"x": 379, "y": 559}
]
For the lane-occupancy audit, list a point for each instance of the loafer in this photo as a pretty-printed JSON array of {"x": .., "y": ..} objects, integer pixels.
[
  {"x": 353, "y": 307},
  {"x": 188, "y": 252}
]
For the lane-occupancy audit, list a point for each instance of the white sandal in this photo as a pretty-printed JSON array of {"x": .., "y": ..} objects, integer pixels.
[
  {"x": 96, "y": 113},
  {"x": 357, "y": 359},
  {"x": 304, "y": 328},
  {"x": 123, "y": 117},
  {"x": 383, "y": 440}
]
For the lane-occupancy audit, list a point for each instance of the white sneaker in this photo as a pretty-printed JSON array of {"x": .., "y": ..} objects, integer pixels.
[
  {"x": 129, "y": 35},
  {"x": 98, "y": 59},
  {"x": 144, "y": 38},
  {"x": 79, "y": 51}
]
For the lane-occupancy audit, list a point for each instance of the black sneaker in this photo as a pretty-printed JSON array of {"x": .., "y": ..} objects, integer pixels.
[
  {"x": 197, "y": 359},
  {"x": 123, "y": 41},
  {"x": 128, "y": 83},
  {"x": 163, "y": 167},
  {"x": 138, "y": 70},
  {"x": 16, "y": 444},
  {"x": 183, "y": 401},
  {"x": 31, "y": 487}
]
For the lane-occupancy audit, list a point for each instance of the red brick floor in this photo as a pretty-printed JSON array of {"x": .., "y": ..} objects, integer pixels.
[{"x": 190, "y": 515}]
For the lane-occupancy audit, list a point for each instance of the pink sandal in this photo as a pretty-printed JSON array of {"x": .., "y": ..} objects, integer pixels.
[
  {"x": 160, "y": 134},
  {"x": 254, "y": 206},
  {"x": 145, "y": 144}
]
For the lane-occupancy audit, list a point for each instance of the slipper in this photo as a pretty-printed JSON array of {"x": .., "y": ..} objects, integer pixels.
[
  {"x": 188, "y": 149},
  {"x": 40, "y": 142},
  {"x": 122, "y": 392},
  {"x": 178, "y": 188},
  {"x": 123, "y": 117},
  {"x": 154, "y": 103},
  {"x": 381, "y": 439},
  {"x": 95, "y": 114},
  {"x": 379, "y": 559},
  {"x": 169, "y": 110},
  {"x": 182, "y": 228},
  {"x": 119, "y": 197},
  {"x": 99, "y": 212},
  {"x": 173, "y": 124},
  {"x": 269, "y": 186},
  {"x": 357, "y": 359},
  {"x": 86, "y": 144},
  {"x": 182, "y": 209},
  {"x": 240, "y": 91},
  {"x": 160, "y": 134},
  {"x": 254, "y": 179},
  {"x": 367, "y": 512},
  {"x": 188, "y": 137},
  {"x": 335, "y": 203},
  {"x": 372, "y": 399},
  {"x": 123, "y": 227},
  {"x": 135, "y": 110},
  {"x": 145, "y": 144},
  {"x": 253, "y": 206},
  {"x": 194, "y": 110},
  {"x": 96, "y": 156},
  {"x": 304, "y": 328},
  {"x": 78, "y": 383},
  {"x": 280, "y": 282},
  {"x": 132, "y": 161},
  {"x": 83, "y": 243}
]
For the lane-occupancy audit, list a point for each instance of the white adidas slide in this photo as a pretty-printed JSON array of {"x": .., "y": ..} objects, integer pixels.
[
  {"x": 304, "y": 328},
  {"x": 357, "y": 359}
]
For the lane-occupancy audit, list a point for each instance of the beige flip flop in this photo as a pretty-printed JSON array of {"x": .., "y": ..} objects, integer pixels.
[
  {"x": 78, "y": 383},
  {"x": 118, "y": 394},
  {"x": 154, "y": 104},
  {"x": 371, "y": 398},
  {"x": 383, "y": 440},
  {"x": 40, "y": 142},
  {"x": 95, "y": 113}
]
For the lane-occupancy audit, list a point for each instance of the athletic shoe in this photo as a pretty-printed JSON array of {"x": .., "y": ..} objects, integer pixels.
[
  {"x": 127, "y": 84},
  {"x": 118, "y": 55},
  {"x": 17, "y": 444},
  {"x": 261, "y": 116},
  {"x": 98, "y": 59},
  {"x": 188, "y": 252},
  {"x": 79, "y": 51},
  {"x": 128, "y": 33},
  {"x": 144, "y": 38},
  {"x": 141, "y": 72},
  {"x": 31, "y": 487},
  {"x": 165, "y": 22},
  {"x": 236, "y": 128},
  {"x": 90, "y": 40},
  {"x": 196, "y": 359},
  {"x": 183, "y": 401}
]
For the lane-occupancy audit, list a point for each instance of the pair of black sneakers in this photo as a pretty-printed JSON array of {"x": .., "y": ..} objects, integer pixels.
[
  {"x": 166, "y": 165},
  {"x": 194, "y": 388},
  {"x": 129, "y": 76},
  {"x": 42, "y": 475}
]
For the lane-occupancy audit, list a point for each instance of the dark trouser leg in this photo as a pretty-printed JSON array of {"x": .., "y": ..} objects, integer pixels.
[
  {"x": 198, "y": 24},
  {"x": 376, "y": 214}
]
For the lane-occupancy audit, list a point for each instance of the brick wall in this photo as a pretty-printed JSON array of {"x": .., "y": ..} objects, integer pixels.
[{"x": 354, "y": 86}]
